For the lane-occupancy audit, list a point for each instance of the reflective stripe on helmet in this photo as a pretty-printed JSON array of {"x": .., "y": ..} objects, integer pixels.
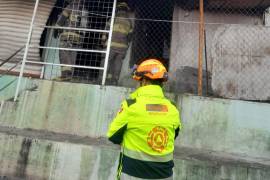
[{"x": 152, "y": 69}]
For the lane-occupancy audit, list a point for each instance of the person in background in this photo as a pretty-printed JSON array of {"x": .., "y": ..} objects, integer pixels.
[
  {"x": 74, "y": 15},
  {"x": 122, "y": 31}
]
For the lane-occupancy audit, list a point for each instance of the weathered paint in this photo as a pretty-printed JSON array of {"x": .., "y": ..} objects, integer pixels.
[
  {"x": 65, "y": 107},
  {"x": 68, "y": 108},
  {"x": 184, "y": 44},
  {"x": 225, "y": 133},
  {"x": 240, "y": 56},
  {"x": 65, "y": 161},
  {"x": 226, "y": 125},
  {"x": 8, "y": 86}
]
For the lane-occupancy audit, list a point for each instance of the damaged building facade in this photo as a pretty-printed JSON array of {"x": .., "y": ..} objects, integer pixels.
[
  {"x": 57, "y": 129},
  {"x": 233, "y": 51}
]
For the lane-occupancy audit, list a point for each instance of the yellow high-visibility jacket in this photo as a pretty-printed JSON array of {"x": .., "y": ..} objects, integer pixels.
[{"x": 146, "y": 127}]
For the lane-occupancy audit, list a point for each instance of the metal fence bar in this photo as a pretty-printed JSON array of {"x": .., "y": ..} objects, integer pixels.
[
  {"x": 9, "y": 58},
  {"x": 10, "y": 69},
  {"x": 109, "y": 45},
  {"x": 66, "y": 65},
  {"x": 69, "y": 49},
  {"x": 76, "y": 29},
  {"x": 26, "y": 50}
]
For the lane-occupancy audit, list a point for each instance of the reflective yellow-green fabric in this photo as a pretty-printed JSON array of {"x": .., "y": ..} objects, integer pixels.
[
  {"x": 70, "y": 36},
  {"x": 141, "y": 123},
  {"x": 118, "y": 45}
]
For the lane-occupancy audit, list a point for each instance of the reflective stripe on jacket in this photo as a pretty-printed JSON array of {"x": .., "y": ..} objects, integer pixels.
[
  {"x": 71, "y": 36},
  {"x": 146, "y": 127}
]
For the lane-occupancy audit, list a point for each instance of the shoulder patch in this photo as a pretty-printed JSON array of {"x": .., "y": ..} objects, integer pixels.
[
  {"x": 156, "y": 108},
  {"x": 130, "y": 102}
]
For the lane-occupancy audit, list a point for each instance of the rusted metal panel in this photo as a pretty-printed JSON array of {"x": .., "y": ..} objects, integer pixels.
[
  {"x": 241, "y": 65},
  {"x": 15, "y": 18}
]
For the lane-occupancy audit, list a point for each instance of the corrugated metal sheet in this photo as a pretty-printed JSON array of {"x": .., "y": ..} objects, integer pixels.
[{"x": 15, "y": 19}]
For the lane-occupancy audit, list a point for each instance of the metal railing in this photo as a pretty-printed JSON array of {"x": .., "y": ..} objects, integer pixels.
[
  {"x": 110, "y": 11},
  {"x": 8, "y": 59},
  {"x": 214, "y": 41}
]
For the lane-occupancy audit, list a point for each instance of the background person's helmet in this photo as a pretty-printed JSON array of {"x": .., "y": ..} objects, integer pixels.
[
  {"x": 150, "y": 68},
  {"x": 122, "y": 6}
]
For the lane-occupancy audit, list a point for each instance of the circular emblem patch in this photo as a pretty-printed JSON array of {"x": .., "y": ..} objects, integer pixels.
[{"x": 158, "y": 138}]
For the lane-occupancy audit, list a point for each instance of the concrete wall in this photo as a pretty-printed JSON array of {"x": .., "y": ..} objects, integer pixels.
[
  {"x": 185, "y": 41},
  {"x": 240, "y": 55},
  {"x": 8, "y": 86},
  {"x": 33, "y": 159},
  {"x": 57, "y": 131}
]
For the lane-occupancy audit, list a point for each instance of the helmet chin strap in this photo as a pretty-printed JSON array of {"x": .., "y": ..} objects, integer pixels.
[{"x": 144, "y": 82}]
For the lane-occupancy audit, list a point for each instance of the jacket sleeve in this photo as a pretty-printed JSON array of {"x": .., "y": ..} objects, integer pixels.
[
  {"x": 118, "y": 126},
  {"x": 178, "y": 126}
]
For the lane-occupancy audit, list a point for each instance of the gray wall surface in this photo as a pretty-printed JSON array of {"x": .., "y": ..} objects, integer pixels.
[
  {"x": 35, "y": 159},
  {"x": 241, "y": 65},
  {"x": 57, "y": 131},
  {"x": 237, "y": 54}
]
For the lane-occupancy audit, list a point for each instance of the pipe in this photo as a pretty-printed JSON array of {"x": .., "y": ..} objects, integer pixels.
[
  {"x": 206, "y": 63},
  {"x": 201, "y": 44}
]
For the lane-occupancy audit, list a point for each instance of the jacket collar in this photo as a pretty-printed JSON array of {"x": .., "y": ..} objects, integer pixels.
[{"x": 149, "y": 90}]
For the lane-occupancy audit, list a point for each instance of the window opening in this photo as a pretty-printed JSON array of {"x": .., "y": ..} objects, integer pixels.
[{"x": 152, "y": 30}]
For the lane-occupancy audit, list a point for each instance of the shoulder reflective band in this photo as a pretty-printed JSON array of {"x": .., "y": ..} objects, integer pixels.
[
  {"x": 146, "y": 157},
  {"x": 156, "y": 108}
]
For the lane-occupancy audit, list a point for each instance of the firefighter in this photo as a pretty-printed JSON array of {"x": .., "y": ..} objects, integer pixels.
[
  {"x": 73, "y": 16},
  {"x": 146, "y": 127},
  {"x": 121, "y": 36}
]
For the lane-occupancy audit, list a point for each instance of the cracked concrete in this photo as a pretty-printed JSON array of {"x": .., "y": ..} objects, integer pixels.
[{"x": 63, "y": 139}]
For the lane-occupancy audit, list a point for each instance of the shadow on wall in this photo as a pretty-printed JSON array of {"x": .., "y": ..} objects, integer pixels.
[{"x": 187, "y": 81}]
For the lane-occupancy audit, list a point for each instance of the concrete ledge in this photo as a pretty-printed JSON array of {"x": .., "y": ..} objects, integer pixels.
[
  {"x": 215, "y": 130},
  {"x": 188, "y": 153},
  {"x": 36, "y": 159}
]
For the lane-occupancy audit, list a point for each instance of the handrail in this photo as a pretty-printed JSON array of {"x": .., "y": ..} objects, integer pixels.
[
  {"x": 14, "y": 54},
  {"x": 8, "y": 70}
]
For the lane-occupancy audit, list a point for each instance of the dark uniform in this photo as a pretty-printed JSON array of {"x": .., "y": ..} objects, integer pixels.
[
  {"x": 122, "y": 30},
  {"x": 73, "y": 16}
]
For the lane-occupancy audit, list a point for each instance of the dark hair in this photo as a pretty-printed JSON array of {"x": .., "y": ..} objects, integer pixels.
[{"x": 158, "y": 82}]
